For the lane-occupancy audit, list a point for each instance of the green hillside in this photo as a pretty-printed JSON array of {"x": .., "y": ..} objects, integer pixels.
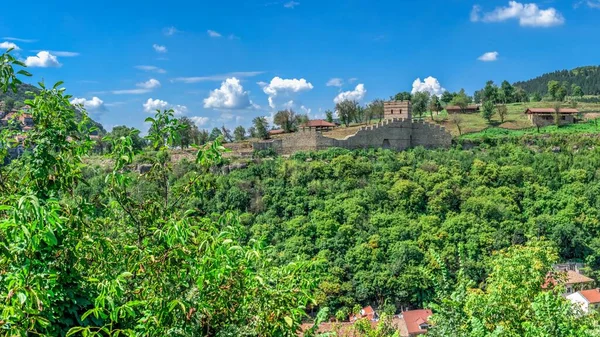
[
  {"x": 588, "y": 78},
  {"x": 21, "y": 95}
]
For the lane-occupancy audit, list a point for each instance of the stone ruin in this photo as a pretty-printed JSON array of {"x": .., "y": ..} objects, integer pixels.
[{"x": 392, "y": 133}]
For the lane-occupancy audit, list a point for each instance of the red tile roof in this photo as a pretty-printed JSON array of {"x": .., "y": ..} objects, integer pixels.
[
  {"x": 414, "y": 318},
  {"x": 457, "y": 108},
  {"x": 592, "y": 296},
  {"x": 570, "y": 277},
  {"x": 551, "y": 111},
  {"x": 318, "y": 123},
  {"x": 276, "y": 132}
]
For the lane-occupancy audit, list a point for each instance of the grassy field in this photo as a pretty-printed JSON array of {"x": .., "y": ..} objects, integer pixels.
[
  {"x": 592, "y": 126},
  {"x": 515, "y": 120}
]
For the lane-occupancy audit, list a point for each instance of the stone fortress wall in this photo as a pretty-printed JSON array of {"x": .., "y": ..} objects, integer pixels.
[{"x": 395, "y": 133}]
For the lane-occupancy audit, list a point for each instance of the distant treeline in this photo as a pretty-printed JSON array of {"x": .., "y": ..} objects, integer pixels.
[{"x": 588, "y": 78}]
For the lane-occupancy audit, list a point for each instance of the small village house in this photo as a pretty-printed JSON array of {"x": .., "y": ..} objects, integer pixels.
[
  {"x": 587, "y": 300},
  {"x": 366, "y": 312},
  {"x": 546, "y": 116},
  {"x": 276, "y": 132},
  {"x": 417, "y": 321},
  {"x": 570, "y": 275}
]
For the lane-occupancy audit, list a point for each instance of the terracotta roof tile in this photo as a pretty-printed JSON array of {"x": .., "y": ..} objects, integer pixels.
[
  {"x": 592, "y": 296},
  {"x": 550, "y": 111},
  {"x": 414, "y": 318},
  {"x": 318, "y": 123}
]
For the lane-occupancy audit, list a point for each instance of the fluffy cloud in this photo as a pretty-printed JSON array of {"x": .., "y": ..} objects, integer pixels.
[
  {"x": 430, "y": 85},
  {"x": 335, "y": 82},
  {"x": 354, "y": 95},
  {"x": 489, "y": 56},
  {"x": 291, "y": 4},
  {"x": 9, "y": 45},
  {"x": 159, "y": 48},
  {"x": 230, "y": 95},
  {"x": 92, "y": 105},
  {"x": 592, "y": 3},
  {"x": 151, "y": 69},
  {"x": 157, "y": 104},
  {"x": 528, "y": 15},
  {"x": 43, "y": 59},
  {"x": 199, "y": 121},
  {"x": 212, "y": 33},
  {"x": 149, "y": 84},
  {"x": 282, "y": 91}
]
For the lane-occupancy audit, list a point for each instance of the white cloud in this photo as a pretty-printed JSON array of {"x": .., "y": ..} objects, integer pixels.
[
  {"x": 212, "y": 33},
  {"x": 354, "y": 95},
  {"x": 9, "y": 45},
  {"x": 43, "y": 59},
  {"x": 154, "y": 104},
  {"x": 93, "y": 105},
  {"x": 18, "y": 39},
  {"x": 352, "y": 80},
  {"x": 199, "y": 121},
  {"x": 157, "y": 104},
  {"x": 305, "y": 110},
  {"x": 159, "y": 48},
  {"x": 489, "y": 56},
  {"x": 221, "y": 77},
  {"x": 430, "y": 85},
  {"x": 151, "y": 69},
  {"x": 60, "y": 53},
  {"x": 149, "y": 84},
  {"x": 282, "y": 91},
  {"x": 179, "y": 109},
  {"x": 335, "y": 82},
  {"x": 230, "y": 95},
  {"x": 233, "y": 37},
  {"x": 291, "y": 4},
  {"x": 170, "y": 31},
  {"x": 593, "y": 3},
  {"x": 528, "y": 15}
]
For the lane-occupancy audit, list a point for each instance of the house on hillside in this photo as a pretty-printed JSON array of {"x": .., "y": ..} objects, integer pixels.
[
  {"x": 468, "y": 110},
  {"x": 587, "y": 300},
  {"x": 276, "y": 132},
  {"x": 570, "y": 275},
  {"x": 366, "y": 312},
  {"x": 416, "y": 321},
  {"x": 545, "y": 116}
]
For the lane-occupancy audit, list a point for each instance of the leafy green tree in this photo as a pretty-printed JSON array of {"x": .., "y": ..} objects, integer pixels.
[
  {"x": 261, "y": 127},
  {"x": 435, "y": 105},
  {"x": 508, "y": 92},
  {"x": 9, "y": 104},
  {"x": 215, "y": 133},
  {"x": 488, "y": 110},
  {"x": 502, "y": 111},
  {"x": 403, "y": 96},
  {"x": 577, "y": 91},
  {"x": 553, "y": 88},
  {"x": 461, "y": 100},
  {"x": 329, "y": 116},
  {"x": 420, "y": 102},
  {"x": 187, "y": 132},
  {"x": 375, "y": 109},
  {"x": 346, "y": 110},
  {"x": 239, "y": 134},
  {"x": 138, "y": 143},
  {"x": 447, "y": 97},
  {"x": 537, "y": 97},
  {"x": 561, "y": 93},
  {"x": 287, "y": 120},
  {"x": 490, "y": 92}
]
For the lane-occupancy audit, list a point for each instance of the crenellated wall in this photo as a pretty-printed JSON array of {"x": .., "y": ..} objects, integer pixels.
[{"x": 395, "y": 134}]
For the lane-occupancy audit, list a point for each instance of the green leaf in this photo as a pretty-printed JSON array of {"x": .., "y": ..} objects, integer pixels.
[
  {"x": 50, "y": 238},
  {"x": 289, "y": 321}
]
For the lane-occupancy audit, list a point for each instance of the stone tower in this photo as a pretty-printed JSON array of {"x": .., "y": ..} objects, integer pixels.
[{"x": 397, "y": 109}]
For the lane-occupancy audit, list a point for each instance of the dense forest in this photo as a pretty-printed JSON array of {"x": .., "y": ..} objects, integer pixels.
[
  {"x": 588, "y": 78},
  {"x": 184, "y": 249}
]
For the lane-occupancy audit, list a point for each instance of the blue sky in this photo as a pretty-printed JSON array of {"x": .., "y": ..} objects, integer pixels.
[{"x": 223, "y": 63}]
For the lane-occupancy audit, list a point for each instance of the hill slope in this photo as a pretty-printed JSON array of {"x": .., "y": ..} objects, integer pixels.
[
  {"x": 588, "y": 78},
  {"x": 21, "y": 95}
]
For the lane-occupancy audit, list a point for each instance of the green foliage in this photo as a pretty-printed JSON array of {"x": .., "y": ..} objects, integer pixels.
[
  {"x": 488, "y": 109},
  {"x": 261, "y": 128},
  {"x": 420, "y": 102},
  {"x": 346, "y": 111},
  {"x": 461, "y": 100},
  {"x": 588, "y": 78}
]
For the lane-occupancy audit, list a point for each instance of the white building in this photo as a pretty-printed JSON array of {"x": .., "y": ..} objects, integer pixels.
[{"x": 587, "y": 300}]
